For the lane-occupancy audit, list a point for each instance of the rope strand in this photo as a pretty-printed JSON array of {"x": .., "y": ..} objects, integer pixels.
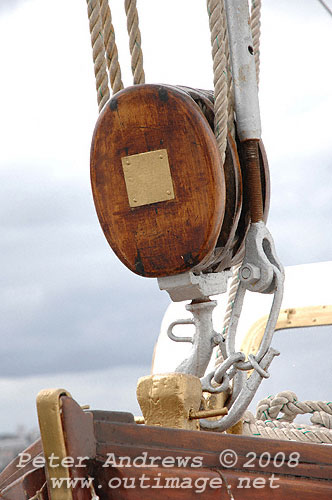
[
  {"x": 216, "y": 20},
  {"x": 255, "y": 28},
  {"x": 98, "y": 52},
  {"x": 267, "y": 423},
  {"x": 255, "y": 22},
  {"x": 111, "y": 49},
  {"x": 134, "y": 42}
]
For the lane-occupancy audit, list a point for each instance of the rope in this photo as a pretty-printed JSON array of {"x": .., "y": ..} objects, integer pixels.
[
  {"x": 255, "y": 29},
  {"x": 230, "y": 89},
  {"x": 267, "y": 423},
  {"x": 227, "y": 318},
  {"x": 134, "y": 42},
  {"x": 217, "y": 28},
  {"x": 255, "y": 22},
  {"x": 110, "y": 47},
  {"x": 287, "y": 403},
  {"x": 39, "y": 494},
  {"x": 98, "y": 52}
]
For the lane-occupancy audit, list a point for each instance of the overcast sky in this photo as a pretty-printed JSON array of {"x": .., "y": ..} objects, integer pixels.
[{"x": 71, "y": 313}]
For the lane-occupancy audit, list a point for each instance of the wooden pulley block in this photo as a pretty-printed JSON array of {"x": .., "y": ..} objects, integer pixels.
[
  {"x": 224, "y": 251},
  {"x": 157, "y": 180}
]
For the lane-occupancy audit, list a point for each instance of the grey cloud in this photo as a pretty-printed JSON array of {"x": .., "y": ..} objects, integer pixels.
[
  {"x": 301, "y": 207},
  {"x": 67, "y": 303},
  {"x": 6, "y": 5},
  {"x": 302, "y": 366}
]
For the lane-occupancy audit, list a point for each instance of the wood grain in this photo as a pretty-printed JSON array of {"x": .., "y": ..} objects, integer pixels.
[
  {"x": 168, "y": 237},
  {"x": 109, "y": 435}
]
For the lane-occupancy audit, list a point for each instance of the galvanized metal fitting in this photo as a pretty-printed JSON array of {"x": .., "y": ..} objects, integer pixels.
[{"x": 250, "y": 274}]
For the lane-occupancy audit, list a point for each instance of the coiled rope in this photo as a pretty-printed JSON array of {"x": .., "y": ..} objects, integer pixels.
[{"x": 268, "y": 424}]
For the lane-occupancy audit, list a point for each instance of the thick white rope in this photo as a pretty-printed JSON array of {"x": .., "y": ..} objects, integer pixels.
[
  {"x": 110, "y": 47},
  {"x": 216, "y": 13},
  {"x": 267, "y": 423},
  {"x": 230, "y": 301},
  {"x": 134, "y": 42},
  {"x": 98, "y": 52},
  {"x": 286, "y": 402},
  {"x": 255, "y": 23}
]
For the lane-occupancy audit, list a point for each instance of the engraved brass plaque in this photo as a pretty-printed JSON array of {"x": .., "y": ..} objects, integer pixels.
[{"x": 148, "y": 178}]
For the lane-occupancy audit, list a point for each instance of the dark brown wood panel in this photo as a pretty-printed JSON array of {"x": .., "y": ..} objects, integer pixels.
[
  {"x": 250, "y": 478},
  {"x": 314, "y": 460},
  {"x": 208, "y": 484}
]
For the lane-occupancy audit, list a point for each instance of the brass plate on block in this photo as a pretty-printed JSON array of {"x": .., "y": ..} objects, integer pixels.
[{"x": 148, "y": 178}]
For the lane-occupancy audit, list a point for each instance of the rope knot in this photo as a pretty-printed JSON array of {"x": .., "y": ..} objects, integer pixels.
[
  {"x": 270, "y": 408},
  {"x": 322, "y": 419}
]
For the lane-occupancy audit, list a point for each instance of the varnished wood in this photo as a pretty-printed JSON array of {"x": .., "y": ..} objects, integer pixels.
[
  {"x": 315, "y": 460},
  {"x": 80, "y": 442},
  {"x": 171, "y": 236},
  {"x": 102, "y": 437},
  {"x": 242, "y": 486}
]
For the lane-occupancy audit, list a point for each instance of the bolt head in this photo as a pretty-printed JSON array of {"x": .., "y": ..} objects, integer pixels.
[{"x": 250, "y": 273}]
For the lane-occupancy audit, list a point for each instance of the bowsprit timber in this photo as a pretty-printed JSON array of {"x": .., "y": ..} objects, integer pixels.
[{"x": 181, "y": 187}]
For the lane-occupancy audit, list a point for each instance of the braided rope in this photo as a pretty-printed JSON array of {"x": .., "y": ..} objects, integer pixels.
[
  {"x": 231, "y": 297},
  {"x": 230, "y": 88},
  {"x": 98, "y": 52},
  {"x": 286, "y": 402},
  {"x": 255, "y": 22},
  {"x": 110, "y": 47},
  {"x": 267, "y": 423},
  {"x": 134, "y": 42},
  {"x": 285, "y": 431},
  {"x": 217, "y": 28}
]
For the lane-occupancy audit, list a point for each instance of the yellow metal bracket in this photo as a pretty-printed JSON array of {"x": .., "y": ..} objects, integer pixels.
[{"x": 53, "y": 440}]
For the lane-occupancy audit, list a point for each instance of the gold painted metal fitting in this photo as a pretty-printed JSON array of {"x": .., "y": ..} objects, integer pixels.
[
  {"x": 148, "y": 178},
  {"x": 53, "y": 440},
  {"x": 166, "y": 400}
]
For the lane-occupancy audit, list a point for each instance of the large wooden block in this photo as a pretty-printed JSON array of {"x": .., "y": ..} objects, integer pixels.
[{"x": 157, "y": 180}]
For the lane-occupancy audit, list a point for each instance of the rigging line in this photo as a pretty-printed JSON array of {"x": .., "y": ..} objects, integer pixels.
[{"x": 326, "y": 7}]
